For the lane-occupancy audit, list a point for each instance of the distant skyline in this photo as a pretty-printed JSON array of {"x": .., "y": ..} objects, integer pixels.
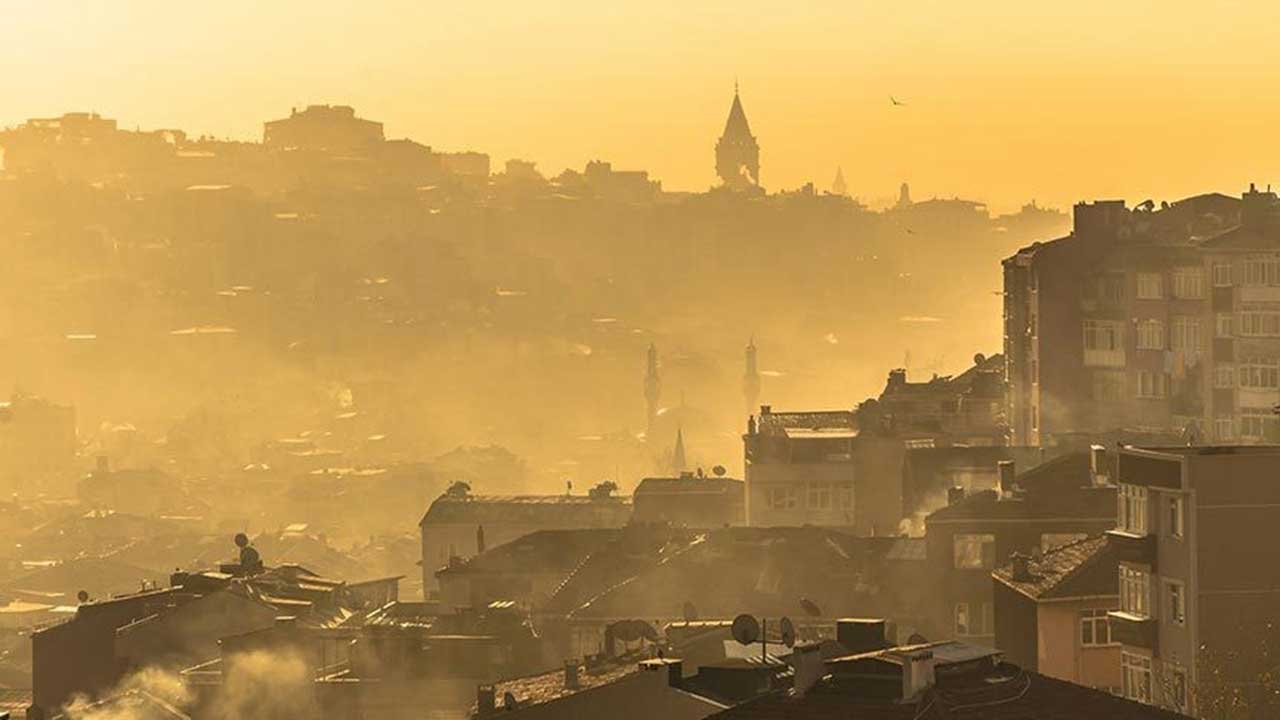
[{"x": 1004, "y": 101}]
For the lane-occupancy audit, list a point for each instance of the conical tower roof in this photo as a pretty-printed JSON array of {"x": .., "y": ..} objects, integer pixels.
[
  {"x": 736, "y": 126},
  {"x": 678, "y": 462}
]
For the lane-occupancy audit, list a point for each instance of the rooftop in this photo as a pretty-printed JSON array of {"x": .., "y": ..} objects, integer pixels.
[
  {"x": 1005, "y": 693},
  {"x": 1086, "y": 568},
  {"x": 560, "y": 509}
]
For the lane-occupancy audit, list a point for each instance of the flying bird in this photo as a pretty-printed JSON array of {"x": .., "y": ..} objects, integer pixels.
[{"x": 896, "y": 102}]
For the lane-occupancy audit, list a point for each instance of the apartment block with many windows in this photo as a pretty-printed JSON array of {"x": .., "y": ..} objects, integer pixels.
[
  {"x": 1109, "y": 328},
  {"x": 1199, "y": 582}
]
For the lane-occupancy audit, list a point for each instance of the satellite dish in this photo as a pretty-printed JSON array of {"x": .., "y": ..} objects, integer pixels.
[
  {"x": 241, "y": 540},
  {"x": 810, "y": 608},
  {"x": 690, "y": 612},
  {"x": 745, "y": 629},
  {"x": 509, "y": 701},
  {"x": 718, "y": 471},
  {"x": 82, "y": 596},
  {"x": 788, "y": 632}
]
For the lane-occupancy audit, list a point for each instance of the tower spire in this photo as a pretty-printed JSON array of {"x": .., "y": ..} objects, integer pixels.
[
  {"x": 652, "y": 388},
  {"x": 678, "y": 463},
  {"x": 737, "y": 153},
  {"x": 751, "y": 378}
]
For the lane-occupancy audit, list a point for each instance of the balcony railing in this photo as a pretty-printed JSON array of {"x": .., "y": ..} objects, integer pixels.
[
  {"x": 1133, "y": 630},
  {"x": 1133, "y": 548}
]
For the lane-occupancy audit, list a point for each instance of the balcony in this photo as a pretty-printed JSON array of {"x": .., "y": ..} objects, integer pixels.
[
  {"x": 1133, "y": 548},
  {"x": 1133, "y": 630}
]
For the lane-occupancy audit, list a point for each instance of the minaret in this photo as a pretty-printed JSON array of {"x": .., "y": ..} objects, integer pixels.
[
  {"x": 904, "y": 197},
  {"x": 751, "y": 379},
  {"x": 838, "y": 186},
  {"x": 652, "y": 388},
  {"x": 678, "y": 462},
  {"x": 737, "y": 153}
]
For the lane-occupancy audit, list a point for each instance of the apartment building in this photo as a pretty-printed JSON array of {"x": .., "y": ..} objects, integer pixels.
[
  {"x": 1108, "y": 328},
  {"x": 1059, "y": 502},
  {"x": 1199, "y": 583}
]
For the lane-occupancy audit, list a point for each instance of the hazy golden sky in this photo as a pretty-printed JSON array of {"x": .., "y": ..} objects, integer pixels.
[{"x": 1006, "y": 100}]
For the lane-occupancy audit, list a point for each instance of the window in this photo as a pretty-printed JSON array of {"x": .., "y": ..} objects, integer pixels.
[
  {"x": 1150, "y": 286},
  {"x": 820, "y": 496},
  {"x": 1132, "y": 510},
  {"x": 1188, "y": 283},
  {"x": 1184, "y": 334},
  {"x": 1031, "y": 325},
  {"x": 1108, "y": 385},
  {"x": 1263, "y": 271},
  {"x": 1261, "y": 373},
  {"x": 844, "y": 496},
  {"x": 1035, "y": 371},
  {"x": 1224, "y": 428},
  {"x": 1101, "y": 335},
  {"x": 783, "y": 498},
  {"x": 1135, "y": 673},
  {"x": 1223, "y": 325},
  {"x": 1049, "y": 541},
  {"x": 1135, "y": 587},
  {"x": 1152, "y": 384},
  {"x": 1178, "y": 688},
  {"x": 1222, "y": 274},
  {"x": 1224, "y": 376},
  {"x": 1176, "y": 515},
  {"x": 1150, "y": 335},
  {"x": 1259, "y": 324},
  {"x": 1257, "y": 423},
  {"x": 1095, "y": 629},
  {"x": 1176, "y": 602},
  {"x": 979, "y": 620},
  {"x": 1111, "y": 287},
  {"x": 974, "y": 552}
]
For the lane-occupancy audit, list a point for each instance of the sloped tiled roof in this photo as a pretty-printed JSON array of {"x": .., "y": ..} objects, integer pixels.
[
  {"x": 544, "y": 551},
  {"x": 1085, "y": 568}
]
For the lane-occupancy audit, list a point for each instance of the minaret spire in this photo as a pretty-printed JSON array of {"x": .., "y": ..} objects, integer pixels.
[
  {"x": 652, "y": 388},
  {"x": 751, "y": 378}
]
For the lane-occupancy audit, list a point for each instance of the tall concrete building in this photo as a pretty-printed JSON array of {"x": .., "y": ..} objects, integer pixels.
[
  {"x": 1198, "y": 576},
  {"x": 1108, "y": 328}
]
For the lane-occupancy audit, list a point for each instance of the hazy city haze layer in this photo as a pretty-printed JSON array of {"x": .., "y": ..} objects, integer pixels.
[{"x": 1004, "y": 101}]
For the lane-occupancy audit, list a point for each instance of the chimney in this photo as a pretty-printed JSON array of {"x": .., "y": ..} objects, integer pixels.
[
  {"x": 917, "y": 672},
  {"x": 809, "y": 666},
  {"x": 1098, "y": 468},
  {"x": 955, "y": 494},
  {"x": 104, "y": 464},
  {"x": 859, "y": 635},
  {"x": 485, "y": 703},
  {"x": 1021, "y": 567},
  {"x": 1006, "y": 470},
  {"x": 571, "y": 675},
  {"x": 765, "y": 411},
  {"x": 610, "y": 642}
]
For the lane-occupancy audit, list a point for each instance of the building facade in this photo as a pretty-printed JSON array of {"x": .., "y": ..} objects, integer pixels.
[
  {"x": 1198, "y": 583},
  {"x": 1051, "y": 612}
]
